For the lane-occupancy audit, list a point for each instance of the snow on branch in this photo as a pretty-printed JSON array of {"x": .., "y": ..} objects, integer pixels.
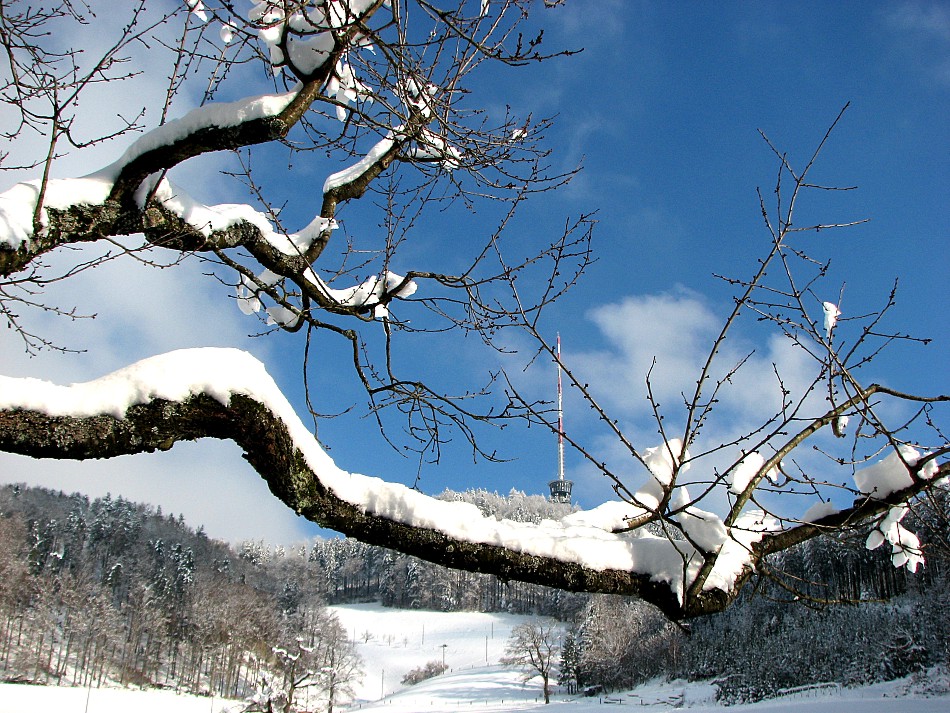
[
  {"x": 226, "y": 393},
  {"x": 209, "y": 219},
  {"x": 305, "y": 38},
  {"x": 371, "y": 294},
  {"x": 18, "y": 204},
  {"x": 359, "y": 170},
  {"x": 891, "y": 474},
  {"x": 218, "y": 115}
]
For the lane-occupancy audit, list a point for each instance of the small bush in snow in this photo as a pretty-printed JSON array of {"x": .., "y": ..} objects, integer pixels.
[{"x": 423, "y": 673}]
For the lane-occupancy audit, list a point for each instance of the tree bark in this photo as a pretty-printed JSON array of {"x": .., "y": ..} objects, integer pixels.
[{"x": 269, "y": 448}]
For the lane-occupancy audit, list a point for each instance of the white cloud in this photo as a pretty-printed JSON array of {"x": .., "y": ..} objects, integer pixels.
[
  {"x": 669, "y": 336},
  {"x": 140, "y": 310},
  {"x": 143, "y": 311},
  {"x": 672, "y": 334},
  {"x": 923, "y": 30},
  {"x": 928, "y": 18},
  {"x": 671, "y": 329}
]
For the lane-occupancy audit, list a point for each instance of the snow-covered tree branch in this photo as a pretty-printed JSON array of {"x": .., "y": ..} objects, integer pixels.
[
  {"x": 355, "y": 81},
  {"x": 373, "y": 98}
]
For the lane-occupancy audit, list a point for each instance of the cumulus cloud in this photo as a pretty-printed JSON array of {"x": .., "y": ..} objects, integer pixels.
[
  {"x": 143, "y": 311},
  {"x": 664, "y": 333},
  {"x": 668, "y": 336},
  {"x": 923, "y": 27}
]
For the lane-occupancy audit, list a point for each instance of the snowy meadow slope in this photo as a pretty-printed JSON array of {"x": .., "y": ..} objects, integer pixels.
[
  {"x": 403, "y": 640},
  {"x": 393, "y": 642}
]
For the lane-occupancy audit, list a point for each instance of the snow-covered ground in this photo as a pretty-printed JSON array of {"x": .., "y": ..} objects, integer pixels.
[
  {"x": 494, "y": 690},
  {"x": 20, "y": 698},
  {"x": 394, "y": 642}
]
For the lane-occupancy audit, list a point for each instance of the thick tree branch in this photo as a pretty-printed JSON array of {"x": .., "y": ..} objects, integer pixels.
[
  {"x": 863, "y": 510},
  {"x": 268, "y": 445}
]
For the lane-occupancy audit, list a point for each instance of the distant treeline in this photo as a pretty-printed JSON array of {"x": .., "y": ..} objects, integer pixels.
[
  {"x": 106, "y": 589},
  {"x": 112, "y": 591}
]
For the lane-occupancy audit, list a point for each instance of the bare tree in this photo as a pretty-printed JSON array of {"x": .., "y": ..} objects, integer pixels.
[
  {"x": 321, "y": 661},
  {"x": 382, "y": 89},
  {"x": 534, "y": 647}
]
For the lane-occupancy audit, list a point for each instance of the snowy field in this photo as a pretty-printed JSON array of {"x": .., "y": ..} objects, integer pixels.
[
  {"x": 404, "y": 640},
  {"x": 494, "y": 690},
  {"x": 394, "y": 642},
  {"x": 487, "y": 690},
  {"x": 17, "y": 698}
]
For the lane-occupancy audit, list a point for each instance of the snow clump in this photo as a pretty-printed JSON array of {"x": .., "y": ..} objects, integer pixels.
[
  {"x": 831, "y": 317},
  {"x": 892, "y": 473},
  {"x": 905, "y": 546}
]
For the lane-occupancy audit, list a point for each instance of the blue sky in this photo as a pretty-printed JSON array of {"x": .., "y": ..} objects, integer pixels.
[{"x": 663, "y": 109}]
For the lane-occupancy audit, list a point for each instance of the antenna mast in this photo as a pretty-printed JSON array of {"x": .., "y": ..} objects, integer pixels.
[
  {"x": 560, "y": 488},
  {"x": 560, "y": 415}
]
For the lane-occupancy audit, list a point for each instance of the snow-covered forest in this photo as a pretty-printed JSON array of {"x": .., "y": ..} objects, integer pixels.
[{"x": 108, "y": 592}]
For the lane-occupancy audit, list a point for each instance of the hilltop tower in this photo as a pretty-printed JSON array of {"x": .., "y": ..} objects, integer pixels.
[{"x": 560, "y": 488}]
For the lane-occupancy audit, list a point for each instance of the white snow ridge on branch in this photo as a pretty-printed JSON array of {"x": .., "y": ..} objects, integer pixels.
[
  {"x": 891, "y": 473},
  {"x": 18, "y": 204},
  {"x": 352, "y": 173},
  {"x": 586, "y": 538},
  {"x": 373, "y": 293}
]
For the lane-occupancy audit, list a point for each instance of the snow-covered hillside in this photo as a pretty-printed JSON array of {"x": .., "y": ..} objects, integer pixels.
[
  {"x": 393, "y": 642},
  {"x": 474, "y": 642}
]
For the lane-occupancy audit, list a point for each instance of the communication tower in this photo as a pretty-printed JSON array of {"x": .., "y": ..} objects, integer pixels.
[{"x": 560, "y": 488}]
